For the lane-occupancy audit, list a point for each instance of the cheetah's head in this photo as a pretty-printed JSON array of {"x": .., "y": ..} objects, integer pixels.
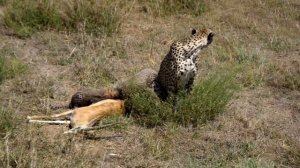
[
  {"x": 191, "y": 47},
  {"x": 201, "y": 38}
]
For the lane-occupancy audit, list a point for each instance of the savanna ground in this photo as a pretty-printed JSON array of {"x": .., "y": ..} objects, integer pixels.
[{"x": 49, "y": 49}]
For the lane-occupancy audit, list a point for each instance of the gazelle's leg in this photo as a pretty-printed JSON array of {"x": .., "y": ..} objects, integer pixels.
[
  {"x": 50, "y": 116},
  {"x": 72, "y": 131},
  {"x": 50, "y": 122},
  {"x": 62, "y": 114},
  {"x": 97, "y": 127},
  {"x": 37, "y": 117},
  {"x": 83, "y": 128}
]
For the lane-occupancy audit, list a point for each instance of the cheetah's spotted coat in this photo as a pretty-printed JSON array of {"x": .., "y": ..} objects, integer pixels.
[{"x": 178, "y": 68}]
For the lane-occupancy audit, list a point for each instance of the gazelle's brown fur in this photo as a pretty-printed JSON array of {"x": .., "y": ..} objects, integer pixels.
[{"x": 84, "y": 117}]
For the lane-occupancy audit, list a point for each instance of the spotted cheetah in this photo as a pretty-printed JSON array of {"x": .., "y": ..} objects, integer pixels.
[{"x": 178, "y": 68}]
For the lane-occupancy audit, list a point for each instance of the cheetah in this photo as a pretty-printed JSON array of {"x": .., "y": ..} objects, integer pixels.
[{"x": 178, "y": 69}]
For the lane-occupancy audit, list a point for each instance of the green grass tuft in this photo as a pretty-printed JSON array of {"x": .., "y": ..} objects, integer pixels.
[
  {"x": 10, "y": 66},
  {"x": 92, "y": 17},
  {"x": 207, "y": 99},
  {"x": 26, "y": 17},
  {"x": 6, "y": 122},
  {"x": 242, "y": 56},
  {"x": 251, "y": 67},
  {"x": 278, "y": 44},
  {"x": 3, "y": 2},
  {"x": 146, "y": 108}
]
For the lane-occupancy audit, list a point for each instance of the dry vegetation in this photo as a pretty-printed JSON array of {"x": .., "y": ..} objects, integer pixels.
[{"x": 51, "y": 48}]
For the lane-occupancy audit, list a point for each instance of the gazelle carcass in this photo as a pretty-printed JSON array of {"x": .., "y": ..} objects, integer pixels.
[{"x": 83, "y": 118}]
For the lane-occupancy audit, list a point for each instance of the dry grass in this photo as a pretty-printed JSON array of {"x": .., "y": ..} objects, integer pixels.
[
  {"x": 161, "y": 8},
  {"x": 258, "y": 128},
  {"x": 284, "y": 75}
]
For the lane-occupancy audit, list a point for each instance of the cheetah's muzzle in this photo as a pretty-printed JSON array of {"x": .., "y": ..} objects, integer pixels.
[{"x": 210, "y": 38}]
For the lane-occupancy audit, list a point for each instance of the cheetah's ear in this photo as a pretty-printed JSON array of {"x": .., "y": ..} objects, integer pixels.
[{"x": 194, "y": 31}]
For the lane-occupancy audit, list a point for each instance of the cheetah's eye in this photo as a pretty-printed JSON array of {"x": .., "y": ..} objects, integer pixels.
[{"x": 194, "y": 31}]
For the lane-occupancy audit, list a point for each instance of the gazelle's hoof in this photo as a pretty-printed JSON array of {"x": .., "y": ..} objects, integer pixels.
[{"x": 71, "y": 131}]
